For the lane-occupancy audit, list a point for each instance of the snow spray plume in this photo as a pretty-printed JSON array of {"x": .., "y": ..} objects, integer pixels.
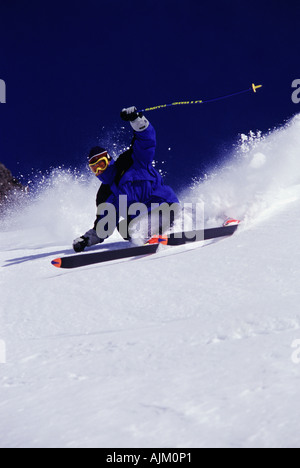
[
  {"x": 262, "y": 174},
  {"x": 60, "y": 204}
]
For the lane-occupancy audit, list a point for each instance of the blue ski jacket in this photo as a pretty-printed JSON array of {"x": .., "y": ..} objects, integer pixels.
[{"x": 133, "y": 174}]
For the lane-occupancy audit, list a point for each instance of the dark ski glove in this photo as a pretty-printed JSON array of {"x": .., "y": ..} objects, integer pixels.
[
  {"x": 130, "y": 114},
  {"x": 137, "y": 120},
  {"x": 80, "y": 244},
  {"x": 90, "y": 238}
]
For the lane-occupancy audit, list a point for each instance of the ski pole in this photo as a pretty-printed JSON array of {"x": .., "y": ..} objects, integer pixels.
[{"x": 253, "y": 88}]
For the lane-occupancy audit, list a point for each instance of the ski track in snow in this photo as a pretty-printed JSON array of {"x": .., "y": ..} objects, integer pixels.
[{"x": 188, "y": 348}]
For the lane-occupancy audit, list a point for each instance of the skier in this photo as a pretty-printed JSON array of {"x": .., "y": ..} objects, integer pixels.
[{"x": 132, "y": 174}]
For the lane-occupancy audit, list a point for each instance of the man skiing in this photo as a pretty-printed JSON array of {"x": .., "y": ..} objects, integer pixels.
[{"x": 132, "y": 175}]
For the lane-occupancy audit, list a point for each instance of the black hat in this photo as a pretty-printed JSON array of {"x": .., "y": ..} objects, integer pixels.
[{"x": 96, "y": 150}]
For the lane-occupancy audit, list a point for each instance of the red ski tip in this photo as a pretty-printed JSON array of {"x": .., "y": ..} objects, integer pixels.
[
  {"x": 56, "y": 262},
  {"x": 231, "y": 222}
]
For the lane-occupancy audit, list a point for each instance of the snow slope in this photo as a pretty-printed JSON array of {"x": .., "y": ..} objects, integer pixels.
[{"x": 190, "y": 348}]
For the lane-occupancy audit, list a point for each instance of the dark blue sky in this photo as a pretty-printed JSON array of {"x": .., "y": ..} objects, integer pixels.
[{"x": 70, "y": 67}]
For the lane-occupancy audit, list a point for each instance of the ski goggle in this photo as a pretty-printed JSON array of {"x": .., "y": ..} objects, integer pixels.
[{"x": 99, "y": 163}]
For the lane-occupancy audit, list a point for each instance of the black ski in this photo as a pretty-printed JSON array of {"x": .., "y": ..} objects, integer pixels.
[
  {"x": 201, "y": 235},
  {"x": 79, "y": 260}
]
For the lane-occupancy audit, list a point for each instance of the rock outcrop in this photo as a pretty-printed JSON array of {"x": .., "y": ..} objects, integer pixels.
[{"x": 9, "y": 186}]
